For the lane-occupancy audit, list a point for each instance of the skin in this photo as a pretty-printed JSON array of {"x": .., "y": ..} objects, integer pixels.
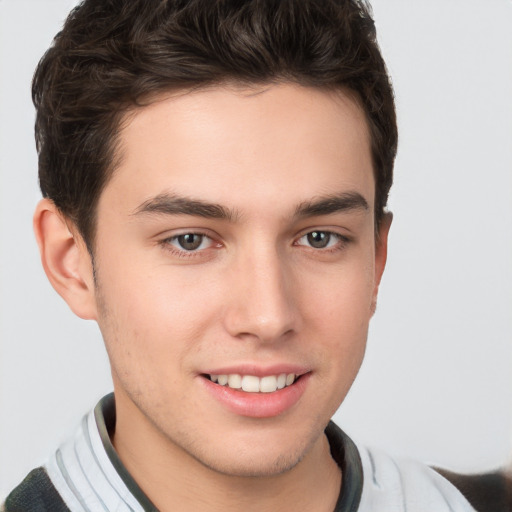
[{"x": 255, "y": 292}]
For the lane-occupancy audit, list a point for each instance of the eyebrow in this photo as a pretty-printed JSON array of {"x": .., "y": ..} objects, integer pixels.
[
  {"x": 170, "y": 204},
  {"x": 337, "y": 203}
]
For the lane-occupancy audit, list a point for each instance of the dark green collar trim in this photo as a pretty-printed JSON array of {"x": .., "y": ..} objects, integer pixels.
[
  {"x": 36, "y": 494},
  {"x": 343, "y": 451},
  {"x": 105, "y": 415},
  {"x": 346, "y": 455}
]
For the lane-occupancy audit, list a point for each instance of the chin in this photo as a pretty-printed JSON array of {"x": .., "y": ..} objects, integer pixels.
[
  {"x": 253, "y": 466},
  {"x": 253, "y": 455}
]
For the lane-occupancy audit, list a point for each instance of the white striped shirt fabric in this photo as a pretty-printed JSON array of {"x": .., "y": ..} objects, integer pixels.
[{"x": 85, "y": 477}]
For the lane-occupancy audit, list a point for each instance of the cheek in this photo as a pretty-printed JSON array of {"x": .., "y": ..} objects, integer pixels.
[
  {"x": 152, "y": 317},
  {"x": 337, "y": 308},
  {"x": 341, "y": 297}
]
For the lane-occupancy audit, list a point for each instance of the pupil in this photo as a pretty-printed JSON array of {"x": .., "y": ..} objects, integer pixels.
[
  {"x": 190, "y": 241},
  {"x": 318, "y": 239}
]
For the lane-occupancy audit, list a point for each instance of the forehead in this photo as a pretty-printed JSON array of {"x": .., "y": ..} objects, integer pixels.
[{"x": 277, "y": 144}]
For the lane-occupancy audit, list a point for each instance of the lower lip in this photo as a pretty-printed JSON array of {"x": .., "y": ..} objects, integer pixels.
[{"x": 258, "y": 405}]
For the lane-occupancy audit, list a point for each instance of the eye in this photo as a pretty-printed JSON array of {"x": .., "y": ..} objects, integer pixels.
[
  {"x": 320, "y": 239},
  {"x": 190, "y": 242}
]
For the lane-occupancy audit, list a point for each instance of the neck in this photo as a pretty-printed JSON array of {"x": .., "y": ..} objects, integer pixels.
[{"x": 174, "y": 480}]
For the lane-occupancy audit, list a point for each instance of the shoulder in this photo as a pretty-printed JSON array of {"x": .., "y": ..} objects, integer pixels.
[
  {"x": 485, "y": 491},
  {"x": 392, "y": 484},
  {"x": 35, "y": 494}
]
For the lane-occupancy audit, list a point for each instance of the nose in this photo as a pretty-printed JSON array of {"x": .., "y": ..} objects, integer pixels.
[{"x": 261, "y": 304}]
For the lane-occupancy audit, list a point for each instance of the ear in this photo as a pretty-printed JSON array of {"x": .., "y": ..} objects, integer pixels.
[
  {"x": 381, "y": 254},
  {"x": 65, "y": 259}
]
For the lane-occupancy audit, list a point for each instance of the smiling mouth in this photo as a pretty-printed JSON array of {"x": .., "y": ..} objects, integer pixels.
[{"x": 253, "y": 384}]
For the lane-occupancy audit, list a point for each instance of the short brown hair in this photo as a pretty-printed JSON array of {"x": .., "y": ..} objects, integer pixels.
[{"x": 113, "y": 54}]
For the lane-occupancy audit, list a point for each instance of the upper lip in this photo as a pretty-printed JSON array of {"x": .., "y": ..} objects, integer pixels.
[{"x": 258, "y": 370}]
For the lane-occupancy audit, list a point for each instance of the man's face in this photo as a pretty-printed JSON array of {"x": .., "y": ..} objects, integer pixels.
[{"x": 236, "y": 239}]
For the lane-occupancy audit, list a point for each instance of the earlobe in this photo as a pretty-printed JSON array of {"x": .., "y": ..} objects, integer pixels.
[
  {"x": 381, "y": 254},
  {"x": 65, "y": 259}
]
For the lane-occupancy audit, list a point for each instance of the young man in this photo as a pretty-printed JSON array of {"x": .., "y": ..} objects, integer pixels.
[{"x": 215, "y": 176}]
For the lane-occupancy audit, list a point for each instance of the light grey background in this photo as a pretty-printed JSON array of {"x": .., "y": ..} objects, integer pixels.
[{"x": 437, "y": 381}]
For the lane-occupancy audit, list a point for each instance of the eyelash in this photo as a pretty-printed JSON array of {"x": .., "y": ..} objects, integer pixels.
[
  {"x": 341, "y": 241},
  {"x": 167, "y": 245}
]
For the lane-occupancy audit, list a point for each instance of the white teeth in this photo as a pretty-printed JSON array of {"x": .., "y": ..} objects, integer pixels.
[
  {"x": 250, "y": 383},
  {"x": 235, "y": 381},
  {"x": 268, "y": 384},
  {"x": 253, "y": 384}
]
